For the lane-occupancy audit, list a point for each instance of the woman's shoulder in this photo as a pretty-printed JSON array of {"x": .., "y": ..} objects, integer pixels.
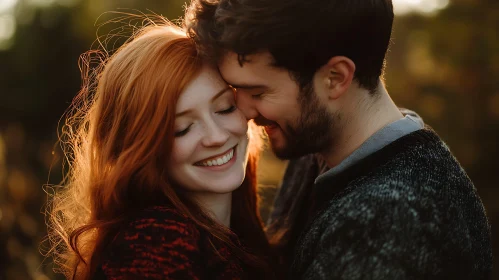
[
  {"x": 159, "y": 222},
  {"x": 155, "y": 242},
  {"x": 159, "y": 211}
]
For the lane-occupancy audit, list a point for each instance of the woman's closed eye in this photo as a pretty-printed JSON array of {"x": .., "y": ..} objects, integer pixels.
[
  {"x": 229, "y": 110},
  {"x": 182, "y": 132}
]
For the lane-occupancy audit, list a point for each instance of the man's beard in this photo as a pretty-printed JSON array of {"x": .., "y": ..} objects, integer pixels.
[{"x": 314, "y": 132}]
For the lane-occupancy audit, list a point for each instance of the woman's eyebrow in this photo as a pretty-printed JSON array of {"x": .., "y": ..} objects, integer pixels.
[{"x": 220, "y": 93}]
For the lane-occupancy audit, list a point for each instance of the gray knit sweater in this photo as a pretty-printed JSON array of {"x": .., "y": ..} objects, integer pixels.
[{"x": 408, "y": 211}]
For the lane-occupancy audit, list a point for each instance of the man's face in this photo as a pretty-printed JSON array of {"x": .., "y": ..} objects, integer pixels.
[{"x": 296, "y": 122}]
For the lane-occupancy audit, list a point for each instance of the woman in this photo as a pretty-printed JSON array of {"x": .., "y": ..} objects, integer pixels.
[{"x": 161, "y": 181}]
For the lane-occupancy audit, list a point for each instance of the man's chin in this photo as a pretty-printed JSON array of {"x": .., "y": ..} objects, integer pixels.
[
  {"x": 280, "y": 145},
  {"x": 284, "y": 151},
  {"x": 284, "y": 146}
]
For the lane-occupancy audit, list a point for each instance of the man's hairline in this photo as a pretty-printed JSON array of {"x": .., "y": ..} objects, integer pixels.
[{"x": 272, "y": 64}]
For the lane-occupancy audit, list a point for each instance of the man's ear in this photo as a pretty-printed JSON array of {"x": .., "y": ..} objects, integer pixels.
[{"x": 336, "y": 76}]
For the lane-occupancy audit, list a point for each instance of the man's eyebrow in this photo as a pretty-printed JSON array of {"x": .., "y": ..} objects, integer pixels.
[
  {"x": 220, "y": 93},
  {"x": 246, "y": 86}
]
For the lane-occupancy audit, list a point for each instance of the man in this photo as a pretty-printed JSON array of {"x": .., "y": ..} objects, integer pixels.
[{"x": 391, "y": 202}]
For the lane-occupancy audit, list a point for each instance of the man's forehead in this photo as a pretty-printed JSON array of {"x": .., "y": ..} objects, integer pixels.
[
  {"x": 253, "y": 70},
  {"x": 258, "y": 59}
]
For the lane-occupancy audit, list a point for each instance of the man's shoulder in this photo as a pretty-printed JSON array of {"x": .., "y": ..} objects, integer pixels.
[
  {"x": 410, "y": 190},
  {"x": 371, "y": 200},
  {"x": 396, "y": 223},
  {"x": 406, "y": 216},
  {"x": 424, "y": 186}
]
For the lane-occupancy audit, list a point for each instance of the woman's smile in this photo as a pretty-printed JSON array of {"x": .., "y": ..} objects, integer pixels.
[{"x": 219, "y": 162}]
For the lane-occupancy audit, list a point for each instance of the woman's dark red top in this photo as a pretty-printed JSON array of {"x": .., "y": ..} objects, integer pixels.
[{"x": 161, "y": 243}]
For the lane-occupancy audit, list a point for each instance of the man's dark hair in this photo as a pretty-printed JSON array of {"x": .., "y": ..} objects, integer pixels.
[{"x": 301, "y": 35}]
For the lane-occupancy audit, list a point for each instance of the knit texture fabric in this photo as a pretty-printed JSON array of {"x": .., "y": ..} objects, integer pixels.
[
  {"x": 408, "y": 211},
  {"x": 161, "y": 243}
]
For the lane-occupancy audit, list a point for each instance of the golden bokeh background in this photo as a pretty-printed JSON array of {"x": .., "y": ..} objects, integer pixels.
[{"x": 443, "y": 63}]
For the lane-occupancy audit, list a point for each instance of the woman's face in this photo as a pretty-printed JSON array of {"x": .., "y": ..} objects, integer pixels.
[{"x": 210, "y": 147}]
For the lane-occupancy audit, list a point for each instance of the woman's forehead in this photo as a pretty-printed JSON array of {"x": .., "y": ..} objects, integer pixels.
[{"x": 202, "y": 89}]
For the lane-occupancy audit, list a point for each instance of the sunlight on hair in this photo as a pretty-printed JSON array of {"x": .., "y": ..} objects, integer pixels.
[{"x": 402, "y": 7}]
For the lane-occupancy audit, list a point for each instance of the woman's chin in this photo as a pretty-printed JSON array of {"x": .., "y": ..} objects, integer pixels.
[{"x": 229, "y": 184}]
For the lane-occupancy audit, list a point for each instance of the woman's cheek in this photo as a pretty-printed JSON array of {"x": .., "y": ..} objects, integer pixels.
[
  {"x": 182, "y": 149},
  {"x": 176, "y": 153},
  {"x": 242, "y": 123}
]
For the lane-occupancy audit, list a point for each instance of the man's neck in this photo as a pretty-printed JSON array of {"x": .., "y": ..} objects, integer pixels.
[
  {"x": 219, "y": 206},
  {"x": 361, "y": 120}
]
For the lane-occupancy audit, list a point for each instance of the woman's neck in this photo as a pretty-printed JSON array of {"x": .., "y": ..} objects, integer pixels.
[{"x": 219, "y": 205}]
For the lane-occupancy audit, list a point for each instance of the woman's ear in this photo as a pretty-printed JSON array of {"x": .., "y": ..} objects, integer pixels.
[{"x": 337, "y": 76}]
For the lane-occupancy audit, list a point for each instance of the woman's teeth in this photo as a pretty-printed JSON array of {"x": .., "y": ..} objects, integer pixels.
[{"x": 219, "y": 160}]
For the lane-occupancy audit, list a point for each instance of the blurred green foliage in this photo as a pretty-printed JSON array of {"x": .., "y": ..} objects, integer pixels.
[{"x": 444, "y": 65}]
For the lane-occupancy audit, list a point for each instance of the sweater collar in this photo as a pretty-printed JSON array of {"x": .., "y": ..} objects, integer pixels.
[
  {"x": 329, "y": 185},
  {"x": 409, "y": 123}
]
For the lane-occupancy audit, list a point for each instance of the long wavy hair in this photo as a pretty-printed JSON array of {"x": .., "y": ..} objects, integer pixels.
[{"x": 116, "y": 137}]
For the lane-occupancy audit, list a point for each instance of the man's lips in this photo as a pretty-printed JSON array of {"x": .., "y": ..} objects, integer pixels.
[
  {"x": 271, "y": 126},
  {"x": 264, "y": 122},
  {"x": 271, "y": 129}
]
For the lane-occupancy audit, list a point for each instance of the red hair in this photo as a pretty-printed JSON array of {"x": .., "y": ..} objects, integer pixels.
[{"x": 116, "y": 138}]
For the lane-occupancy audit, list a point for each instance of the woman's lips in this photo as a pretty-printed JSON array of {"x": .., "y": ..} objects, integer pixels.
[{"x": 218, "y": 160}]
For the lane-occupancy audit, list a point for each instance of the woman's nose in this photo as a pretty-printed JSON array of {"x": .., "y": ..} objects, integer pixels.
[{"x": 215, "y": 134}]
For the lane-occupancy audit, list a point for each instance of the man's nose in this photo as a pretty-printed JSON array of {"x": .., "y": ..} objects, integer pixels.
[{"x": 246, "y": 104}]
